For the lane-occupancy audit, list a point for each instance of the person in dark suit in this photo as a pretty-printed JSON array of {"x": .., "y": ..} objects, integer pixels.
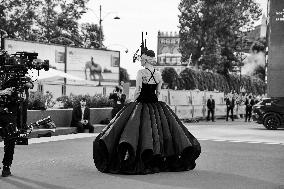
[
  {"x": 15, "y": 113},
  {"x": 249, "y": 103},
  {"x": 230, "y": 103},
  {"x": 210, "y": 108},
  {"x": 118, "y": 100},
  {"x": 81, "y": 117}
]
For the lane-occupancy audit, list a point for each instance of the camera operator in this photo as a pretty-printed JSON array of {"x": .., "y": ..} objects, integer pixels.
[{"x": 14, "y": 112}]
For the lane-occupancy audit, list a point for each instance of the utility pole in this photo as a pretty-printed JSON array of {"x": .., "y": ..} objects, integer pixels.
[{"x": 100, "y": 26}]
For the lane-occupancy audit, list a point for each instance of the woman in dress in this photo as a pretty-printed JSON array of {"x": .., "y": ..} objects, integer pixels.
[{"x": 145, "y": 136}]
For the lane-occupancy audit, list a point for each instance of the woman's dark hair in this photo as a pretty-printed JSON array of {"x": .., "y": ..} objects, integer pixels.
[
  {"x": 150, "y": 53},
  {"x": 118, "y": 89}
]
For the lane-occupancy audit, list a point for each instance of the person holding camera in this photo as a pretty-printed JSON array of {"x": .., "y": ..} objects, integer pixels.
[
  {"x": 8, "y": 115},
  {"x": 81, "y": 117},
  {"x": 13, "y": 112},
  {"x": 118, "y": 100}
]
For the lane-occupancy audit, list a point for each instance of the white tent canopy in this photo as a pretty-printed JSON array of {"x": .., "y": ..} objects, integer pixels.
[{"x": 51, "y": 75}]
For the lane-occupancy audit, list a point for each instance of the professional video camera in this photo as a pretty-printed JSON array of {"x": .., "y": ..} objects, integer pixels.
[
  {"x": 13, "y": 68},
  {"x": 13, "y": 71}
]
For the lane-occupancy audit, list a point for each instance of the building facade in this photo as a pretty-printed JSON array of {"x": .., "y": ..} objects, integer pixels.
[{"x": 168, "y": 54}]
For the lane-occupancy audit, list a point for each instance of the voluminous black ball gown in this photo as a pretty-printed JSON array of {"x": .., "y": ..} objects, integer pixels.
[{"x": 145, "y": 137}]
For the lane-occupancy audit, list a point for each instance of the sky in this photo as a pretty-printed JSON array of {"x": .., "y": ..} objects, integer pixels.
[{"x": 136, "y": 16}]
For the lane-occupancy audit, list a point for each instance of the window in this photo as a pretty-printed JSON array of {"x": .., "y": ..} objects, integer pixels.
[{"x": 167, "y": 60}]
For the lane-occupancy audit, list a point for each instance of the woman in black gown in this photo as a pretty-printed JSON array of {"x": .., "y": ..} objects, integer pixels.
[{"x": 145, "y": 136}]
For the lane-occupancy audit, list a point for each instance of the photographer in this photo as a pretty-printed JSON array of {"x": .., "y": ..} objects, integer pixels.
[
  {"x": 13, "y": 112},
  {"x": 118, "y": 100}
]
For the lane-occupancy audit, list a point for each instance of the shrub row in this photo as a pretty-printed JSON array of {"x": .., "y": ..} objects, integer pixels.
[
  {"x": 190, "y": 79},
  {"x": 39, "y": 101}
]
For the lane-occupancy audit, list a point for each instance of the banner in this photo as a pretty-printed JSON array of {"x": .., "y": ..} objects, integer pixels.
[
  {"x": 198, "y": 111},
  {"x": 220, "y": 110},
  {"x": 94, "y": 65},
  {"x": 104, "y": 68},
  {"x": 164, "y": 96},
  {"x": 198, "y": 97},
  {"x": 184, "y": 112},
  {"x": 180, "y": 97}
]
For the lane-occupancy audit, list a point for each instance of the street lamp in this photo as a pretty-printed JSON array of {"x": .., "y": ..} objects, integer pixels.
[
  {"x": 100, "y": 22},
  {"x": 241, "y": 56}
]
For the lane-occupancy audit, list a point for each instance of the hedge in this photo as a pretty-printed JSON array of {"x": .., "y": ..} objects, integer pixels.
[
  {"x": 39, "y": 101},
  {"x": 190, "y": 79}
]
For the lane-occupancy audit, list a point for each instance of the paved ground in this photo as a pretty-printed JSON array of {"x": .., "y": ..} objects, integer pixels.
[
  {"x": 65, "y": 162},
  {"x": 237, "y": 131}
]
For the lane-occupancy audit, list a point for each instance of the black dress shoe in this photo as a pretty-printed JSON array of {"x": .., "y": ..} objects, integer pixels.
[{"x": 6, "y": 171}]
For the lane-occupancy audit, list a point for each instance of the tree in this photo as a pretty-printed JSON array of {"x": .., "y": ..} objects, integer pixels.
[
  {"x": 60, "y": 19},
  {"x": 259, "y": 46},
  {"x": 259, "y": 72},
  {"x": 170, "y": 76},
  {"x": 91, "y": 35},
  {"x": 123, "y": 75},
  {"x": 17, "y": 18},
  {"x": 197, "y": 79},
  {"x": 42, "y": 20},
  {"x": 204, "y": 22}
]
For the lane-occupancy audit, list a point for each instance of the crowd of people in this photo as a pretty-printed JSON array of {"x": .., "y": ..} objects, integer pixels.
[{"x": 233, "y": 99}]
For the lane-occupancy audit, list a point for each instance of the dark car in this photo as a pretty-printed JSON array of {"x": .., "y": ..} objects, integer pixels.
[{"x": 269, "y": 112}]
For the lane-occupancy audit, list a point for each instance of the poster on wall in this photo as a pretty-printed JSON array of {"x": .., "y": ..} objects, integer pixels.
[
  {"x": 198, "y": 97},
  {"x": 54, "y": 53},
  {"x": 180, "y": 97},
  {"x": 96, "y": 67}
]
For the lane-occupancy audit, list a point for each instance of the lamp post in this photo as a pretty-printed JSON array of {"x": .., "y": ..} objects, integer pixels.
[
  {"x": 241, "y": 58},
  {"x": 100, "y": 22}
]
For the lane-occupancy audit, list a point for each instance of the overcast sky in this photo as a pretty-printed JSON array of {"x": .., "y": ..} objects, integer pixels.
[{"x": 136, "y": 16}]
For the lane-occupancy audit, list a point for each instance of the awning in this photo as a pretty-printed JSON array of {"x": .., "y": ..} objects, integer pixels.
[{"x": 51, "y": 75}]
